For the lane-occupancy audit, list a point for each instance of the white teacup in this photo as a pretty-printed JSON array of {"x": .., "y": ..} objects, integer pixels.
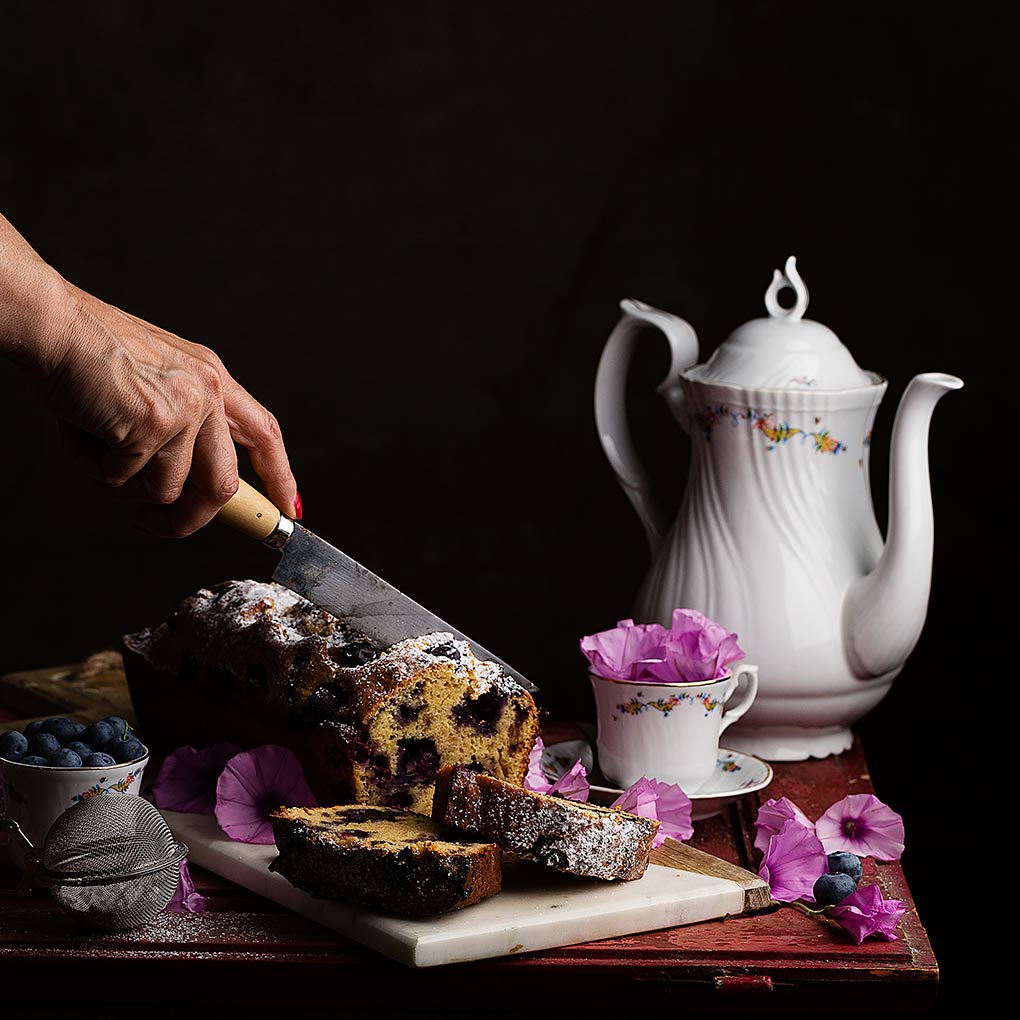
[
  {"x": 34, "y": 796},
  {"x": 667, "y": 731}
]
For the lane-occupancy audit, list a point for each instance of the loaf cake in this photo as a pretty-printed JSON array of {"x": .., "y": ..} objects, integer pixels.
[
  {"x": 568, "y": 835},
  {"x": 398, "y": 861},
  {"x": 251, "y": 662}
]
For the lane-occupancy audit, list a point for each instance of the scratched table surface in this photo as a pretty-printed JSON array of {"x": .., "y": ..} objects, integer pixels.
[{"x": 246, "y": 951}]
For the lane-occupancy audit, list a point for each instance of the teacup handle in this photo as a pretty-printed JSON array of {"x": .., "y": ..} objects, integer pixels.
[{"x": 742, "y": 698}]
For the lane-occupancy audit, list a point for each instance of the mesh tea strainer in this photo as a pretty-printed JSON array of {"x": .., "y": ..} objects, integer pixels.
[{"x": 110, "y": 860}]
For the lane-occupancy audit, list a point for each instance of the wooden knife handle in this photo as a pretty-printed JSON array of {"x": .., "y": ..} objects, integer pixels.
[{"x": 249, "y": 512}]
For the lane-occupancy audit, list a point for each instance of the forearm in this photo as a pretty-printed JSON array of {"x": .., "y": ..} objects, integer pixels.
[{"x": 34, "y": 304}]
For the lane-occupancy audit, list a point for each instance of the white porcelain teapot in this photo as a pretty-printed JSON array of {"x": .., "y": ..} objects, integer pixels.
[{"x": 776, "y": 537}]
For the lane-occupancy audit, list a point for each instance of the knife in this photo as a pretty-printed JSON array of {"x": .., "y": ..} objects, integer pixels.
[{"x": 332, "y": 580}]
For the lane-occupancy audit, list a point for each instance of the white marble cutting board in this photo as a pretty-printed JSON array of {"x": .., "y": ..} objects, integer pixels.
[{"x": 536, "y": 909}]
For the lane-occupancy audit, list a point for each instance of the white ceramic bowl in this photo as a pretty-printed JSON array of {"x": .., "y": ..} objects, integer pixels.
[{"x": 34, "y": 796}]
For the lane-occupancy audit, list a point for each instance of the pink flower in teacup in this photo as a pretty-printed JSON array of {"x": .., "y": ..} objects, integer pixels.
[
  {"x": 626, "y": 651},
  {"x": 692, "y": 649},
  {"x": 696, "y": 649}
]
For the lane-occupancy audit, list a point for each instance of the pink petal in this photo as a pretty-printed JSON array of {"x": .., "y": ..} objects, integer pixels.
[
  {"x": 865, "y": 913},
  {"x": 694, "y": 648},
  {"x": 253, "y": 784},
  {"x": 699, "y": 647},
  {"x": 573, "y": 784},
  {"x": 862, "y": 824},
  {"x": 794, "y": 861},
  {"x": 623, "y": 652},
  {"x": 772, "y": 816},
  {"x": 185, "y": 899},
  {"x": 664, "y": 801},
  {"x": 187, "y": 778},
  {"x": 535, "y": 779}
]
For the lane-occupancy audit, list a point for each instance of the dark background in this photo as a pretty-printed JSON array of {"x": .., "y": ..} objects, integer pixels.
[{"x": 406, "y": 229}]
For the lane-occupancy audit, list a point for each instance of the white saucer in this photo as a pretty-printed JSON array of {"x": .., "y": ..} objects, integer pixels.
[{"x": 736, "y": 774}]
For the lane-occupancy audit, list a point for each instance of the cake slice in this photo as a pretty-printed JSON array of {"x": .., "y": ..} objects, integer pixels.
[
  {"x": 380, "y": 857},
  {"x": 583, "y": 839}
]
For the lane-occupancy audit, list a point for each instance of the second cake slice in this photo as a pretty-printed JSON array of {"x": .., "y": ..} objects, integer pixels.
[{"x": 583, "y": 839}]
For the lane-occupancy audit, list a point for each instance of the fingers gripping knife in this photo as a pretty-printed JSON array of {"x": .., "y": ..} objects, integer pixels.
[{"x": 334, "y": 582}]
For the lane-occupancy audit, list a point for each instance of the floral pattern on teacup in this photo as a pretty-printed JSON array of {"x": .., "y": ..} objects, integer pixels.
[
  {"x": 666, "y": 705},
  {"x": 121, "y": 786}
]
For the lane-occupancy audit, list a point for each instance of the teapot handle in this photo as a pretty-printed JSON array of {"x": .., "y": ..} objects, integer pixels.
[{"x": 611, "y": 401}]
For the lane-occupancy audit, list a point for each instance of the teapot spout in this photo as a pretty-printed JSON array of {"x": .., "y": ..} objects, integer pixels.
[{"x": 884, "y": 611}]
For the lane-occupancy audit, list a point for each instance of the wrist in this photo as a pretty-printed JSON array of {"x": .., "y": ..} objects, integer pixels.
[{"x": 36, "y": 308}]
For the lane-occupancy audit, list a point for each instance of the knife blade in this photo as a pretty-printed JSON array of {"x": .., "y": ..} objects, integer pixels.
[{"x": 334, "y": 581}]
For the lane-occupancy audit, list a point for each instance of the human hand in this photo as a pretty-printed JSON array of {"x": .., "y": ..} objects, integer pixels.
[{"x": 147, "y": 413}]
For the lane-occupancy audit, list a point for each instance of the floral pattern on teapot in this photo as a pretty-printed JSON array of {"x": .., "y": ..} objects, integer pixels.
[{"x": 777, "y": 433}]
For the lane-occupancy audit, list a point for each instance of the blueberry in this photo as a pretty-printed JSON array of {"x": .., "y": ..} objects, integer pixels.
[
  {"x": 63, "y": 729},
  {"x": 80, "y": 748},
  {"x": 13, "y": 745},
  {"x": 417, "y": 761},
  {"x": 33, "y": 727},
  {"x": 355, "y": 654},
  {"x": 447, "y": 650},
  {"x": 842, "y": 862},
  {"x": 121, "y": 727},
  {"x": 98, "y": 760},
  {"x": 549, "y": 856},
  {"x": 98, "y": 734},
  {"x": 33, "y": 759},
  {"x": 125, "y": 750},
  {"x": 831, "y": 889},
  {"x": 62, "y": 758},
  {"x": 42, "y": 744},
  {"x": 481, "y": 714}
]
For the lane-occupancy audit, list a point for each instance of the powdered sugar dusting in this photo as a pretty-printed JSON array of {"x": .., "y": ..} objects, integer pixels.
[{"x": 583, "y": 839}]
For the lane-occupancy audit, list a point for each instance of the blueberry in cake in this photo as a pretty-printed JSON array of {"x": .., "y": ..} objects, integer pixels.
[
  {"x": 384, "y": 858},
  {"x": 252, "y": 662},
  {"x": 579, "y": 838}
]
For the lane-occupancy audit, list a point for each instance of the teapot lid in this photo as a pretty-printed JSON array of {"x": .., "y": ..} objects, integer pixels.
[{"x": 784, "y": 351}]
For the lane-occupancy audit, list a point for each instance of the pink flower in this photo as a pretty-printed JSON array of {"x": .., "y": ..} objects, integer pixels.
[
  {"x": 535, "y": 779},
  {"x": 255, "y": 783},
  {"x": 862, "y": 824},
  {"x": 187, "y": 778},
  {"x": 185, "y": 899},
  {"x": 664, "y": 801},
  {"x": 573, "y": 784},
  {"x": 693, "y": 648},
  {"x": 624, "y": 652},
  {"x": 696, "y": 649},
  {"x": 772, "y": 816},
  {"x": 865, "y": 913},
  {"x": 794, "y": 861}
]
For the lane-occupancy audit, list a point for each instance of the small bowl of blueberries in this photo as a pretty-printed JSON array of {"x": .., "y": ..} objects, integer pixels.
[{"x": 54, "y": 763}]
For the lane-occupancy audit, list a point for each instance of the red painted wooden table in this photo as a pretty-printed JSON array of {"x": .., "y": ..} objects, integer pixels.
[{"x": 247, "y": 952}]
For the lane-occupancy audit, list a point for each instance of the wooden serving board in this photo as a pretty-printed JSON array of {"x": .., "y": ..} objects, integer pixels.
[{"x": 535, "y": 910}]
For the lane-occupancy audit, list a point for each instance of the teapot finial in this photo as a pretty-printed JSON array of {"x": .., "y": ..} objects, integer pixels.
[{"x": 792, "y": 279}]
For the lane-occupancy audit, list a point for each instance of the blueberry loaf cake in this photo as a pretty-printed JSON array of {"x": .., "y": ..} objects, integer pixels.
[
  {"x": 398, "y": 861},
  {"x": 583, "y": 839},
  {"x": 252, "y": 662}
]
